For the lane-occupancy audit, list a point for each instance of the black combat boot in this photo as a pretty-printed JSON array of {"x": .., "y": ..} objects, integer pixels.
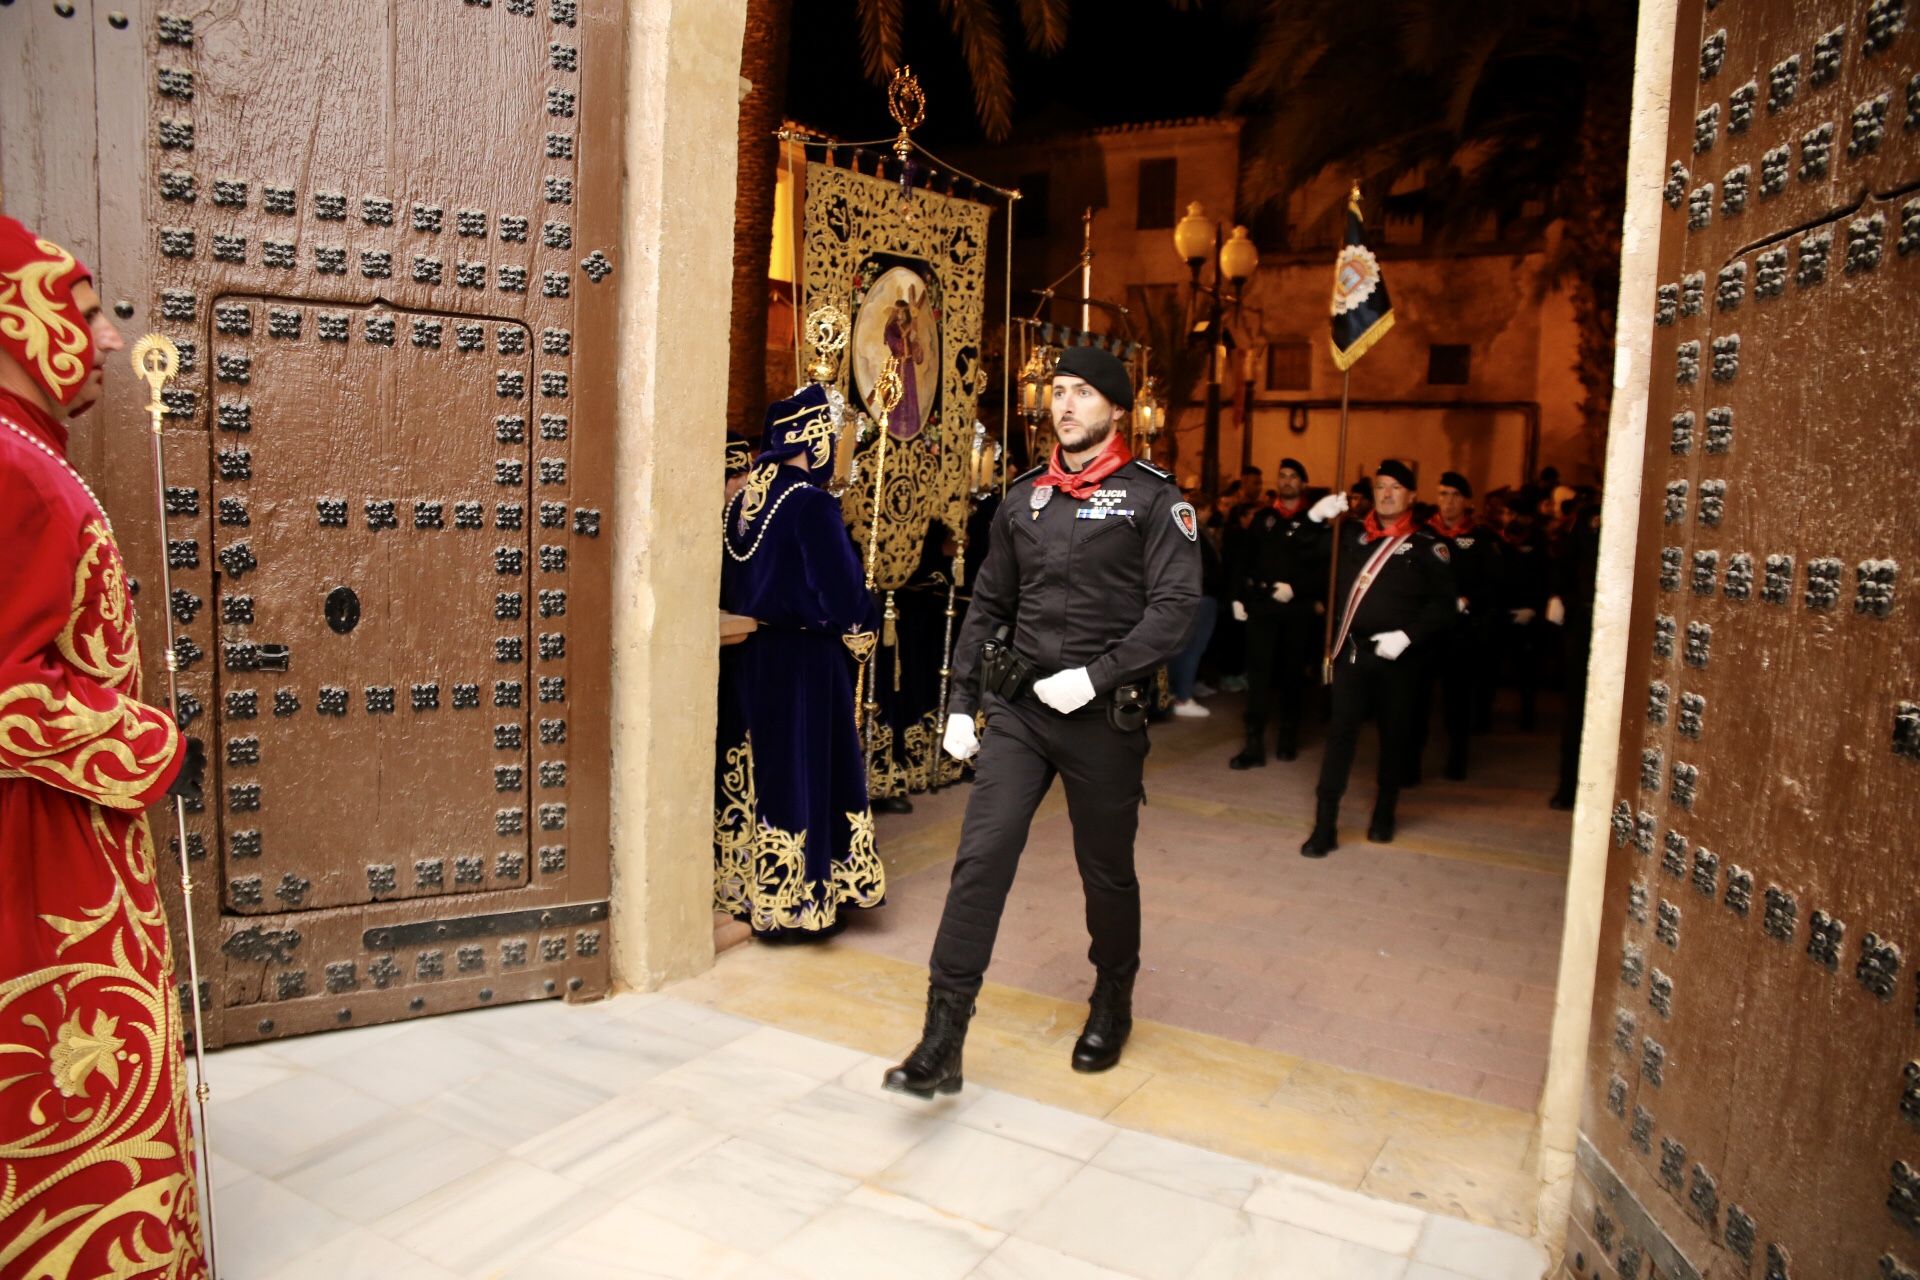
[
  {"x": 1380, "y": 830},
  {"x": 1326, "y": 829},
  {"x": 1253, "y": 755},
  {"x": 934, "y": 1065},
  {"x": 1109, "y": 1023}
]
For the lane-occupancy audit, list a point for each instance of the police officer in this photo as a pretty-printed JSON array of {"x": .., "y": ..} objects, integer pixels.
[
  {"x": 1279, "y": 578},
  {"x": 1461, "y": 661},
  {"x": 1090, "y": 584},
  {"x": 1394, "y": 591}
]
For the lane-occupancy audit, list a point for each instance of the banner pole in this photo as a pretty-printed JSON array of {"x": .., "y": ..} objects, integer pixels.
[{"x": 1333, "y": 561}]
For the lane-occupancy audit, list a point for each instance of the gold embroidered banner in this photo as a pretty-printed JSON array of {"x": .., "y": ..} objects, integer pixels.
[{"x": 915, "y": 288}]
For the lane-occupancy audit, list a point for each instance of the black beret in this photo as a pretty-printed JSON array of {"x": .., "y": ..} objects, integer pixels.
[
  {"x": 1296, "y": 466},
  {"x": 1101, "y": 369},
  {"x": 1454, "y": 480},
  {"x": 1398, "y": 470}
]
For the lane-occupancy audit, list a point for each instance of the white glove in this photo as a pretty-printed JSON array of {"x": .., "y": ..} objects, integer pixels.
[
  {"x": 1283, "y": 592},
  {"x": 1461, "y": 604},
  {"x": 1557, "y": 612},
  {"x": 961, "y": 742},
  {"x": 1239, "y": 612},
  {"x": 1065, "y": 691},
  {"x": 1391, "y": 644},
  {"x": 1524, "y": 617},
  {"x": 1327, "y": 508}
]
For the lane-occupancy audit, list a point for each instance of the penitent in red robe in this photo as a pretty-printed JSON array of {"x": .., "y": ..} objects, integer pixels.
[{"x": 96, "y": 1159}]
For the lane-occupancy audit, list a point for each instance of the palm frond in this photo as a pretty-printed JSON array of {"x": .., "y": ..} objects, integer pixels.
[
  {"x": 882, "y": 24},
  {"x": 1046, "y": 24},
  {"x": 977, "y": 27}
]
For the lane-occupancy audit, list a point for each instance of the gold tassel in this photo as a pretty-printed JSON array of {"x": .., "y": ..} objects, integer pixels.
[
  {"x": 891, "y": 635},
  {"x": 960, "y": 566}
]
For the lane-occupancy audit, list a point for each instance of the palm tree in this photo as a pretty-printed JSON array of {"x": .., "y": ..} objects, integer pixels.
[
  {"x": 1496, "y": 103},
  {"x": 976, "y": 24}
]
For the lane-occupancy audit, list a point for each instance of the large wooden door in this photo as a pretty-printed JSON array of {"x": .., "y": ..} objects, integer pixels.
[
  {"x": 383, "y": 236},
  {"x": 1754, "y": 1087}
]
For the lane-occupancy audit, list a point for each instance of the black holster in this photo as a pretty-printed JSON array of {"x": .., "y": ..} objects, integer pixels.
[
  {"x": 1003, "y": 672},
  {"x": 1127, "y": 708}
]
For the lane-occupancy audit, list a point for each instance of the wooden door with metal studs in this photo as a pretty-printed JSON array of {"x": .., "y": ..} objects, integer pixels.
[{"x": 383, "y": 237}]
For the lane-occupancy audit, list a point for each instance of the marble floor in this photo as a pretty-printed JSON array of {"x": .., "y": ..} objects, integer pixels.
[
  {"x": 661, "y": 1136},
  {"x": 1431, "y": 960}
]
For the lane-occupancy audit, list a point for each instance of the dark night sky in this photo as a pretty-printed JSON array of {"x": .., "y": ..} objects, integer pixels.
[{"x": 1124, "y": 61}]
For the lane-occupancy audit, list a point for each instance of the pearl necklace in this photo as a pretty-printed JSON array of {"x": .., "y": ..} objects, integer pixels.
[
  {"x": 41, "y": 445},
  {"x": 766, "y": 522}
]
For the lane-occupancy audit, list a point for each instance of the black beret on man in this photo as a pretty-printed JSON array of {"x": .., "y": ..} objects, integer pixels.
[
  {"x": 1397, "y": 470},
  {"x": 1100, "y": 368},
  {"x": 1454, "y": 480},
  {"x": 1296, "y": 466}
]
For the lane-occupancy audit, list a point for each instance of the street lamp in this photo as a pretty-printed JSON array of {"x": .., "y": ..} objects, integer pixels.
[{"x": 1197, "y": 238}]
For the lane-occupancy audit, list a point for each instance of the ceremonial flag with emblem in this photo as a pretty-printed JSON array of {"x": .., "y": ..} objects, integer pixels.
[{"x": 1362, "y": 314}]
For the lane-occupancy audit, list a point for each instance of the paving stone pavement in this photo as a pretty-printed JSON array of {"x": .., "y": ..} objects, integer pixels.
[
  {"x": 650, "y": 1136},
  {"x": 1430, "y": 961}
]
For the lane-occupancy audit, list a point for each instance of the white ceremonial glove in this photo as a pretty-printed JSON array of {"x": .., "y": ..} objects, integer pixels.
[
  {"x": 1239, "y": 612},
  {"x": 1524, "y": 617},
  {"x": 961, "y": 742},
  {"x": 1391, "y": 644},
  {"x": 1327, "y": 508},
  {"x": 1283, "y": 592},
  {"x": 1557, "y": 612},
  {"x": 1461, "y": 604},
  {"x": 1065, "y": 691}
]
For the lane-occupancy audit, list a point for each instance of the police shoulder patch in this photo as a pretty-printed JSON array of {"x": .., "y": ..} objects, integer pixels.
[
  {"x": 1152, "y": 470},
  {"x": 1186, "y": 521}
]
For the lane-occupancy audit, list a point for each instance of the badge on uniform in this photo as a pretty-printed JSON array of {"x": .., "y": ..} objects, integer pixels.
[
  {"x": 1042, "y": 494},
  {"x": 1440, "y": 550},
  {"x": 1186, "y": 521},
  {"x": 1466, "y": 544}
]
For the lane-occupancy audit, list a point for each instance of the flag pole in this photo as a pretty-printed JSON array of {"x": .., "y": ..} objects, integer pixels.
[{"x": 1333, "y": 561}]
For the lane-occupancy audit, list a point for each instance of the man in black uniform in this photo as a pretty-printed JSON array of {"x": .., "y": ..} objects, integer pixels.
[
  {"x": 1090, "y": 583},
  {"x": 1394, "y": 591},
  {"x": 1461, "y": 661},
  {"x": 1275, "y": 584}
]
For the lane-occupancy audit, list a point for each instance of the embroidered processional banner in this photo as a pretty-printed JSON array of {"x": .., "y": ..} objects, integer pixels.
[{"x": 912, "y": 277}]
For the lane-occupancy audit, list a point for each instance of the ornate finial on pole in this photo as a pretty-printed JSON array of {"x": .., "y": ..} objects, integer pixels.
[
  {"x": 156, "y": 360},
  {"x": 907, "y": 104},
  {"x": 827, "y": 331}
]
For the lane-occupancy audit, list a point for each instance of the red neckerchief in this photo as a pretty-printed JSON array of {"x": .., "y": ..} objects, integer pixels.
[
  {"x": 35, "y": 419},
  {"x": 1288, "y": 510},
  {"x": 1082, "y": 483},
  {"x": 1446, "y": 530},
  {"x": 1400, "y": 528}
]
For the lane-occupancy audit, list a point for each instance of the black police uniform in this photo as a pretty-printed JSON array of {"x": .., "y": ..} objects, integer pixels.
[
  {"x": 1525, "y": 584},
  {"x": 1110, "y": 584},
  {"x": 1461, "y": 661},
  {"x": 1282, "y": 639},
  {"x": 1413, "y": 591}
]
